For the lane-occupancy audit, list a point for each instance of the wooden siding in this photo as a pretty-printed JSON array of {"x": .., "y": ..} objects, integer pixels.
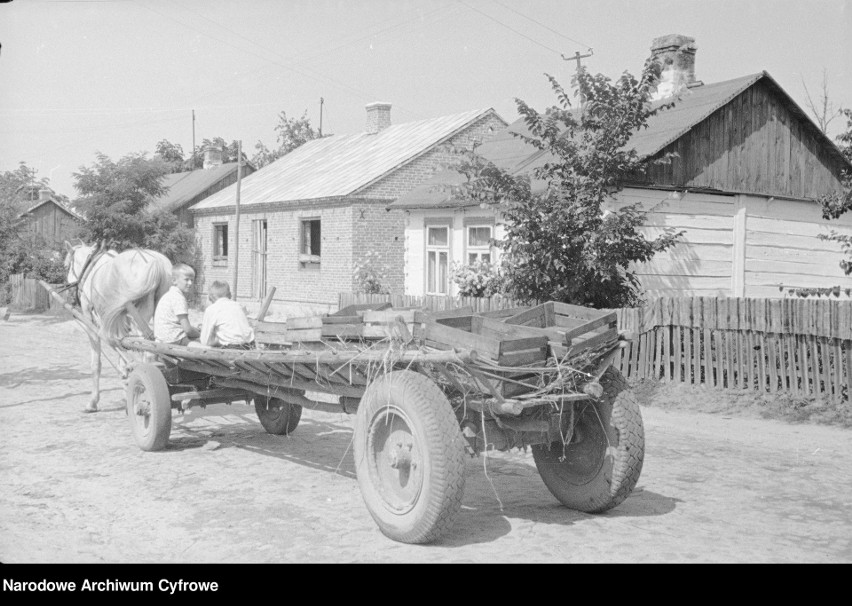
[
  {"x": 52, "y": 223},
  {"x": 753, "y": 144},
  {"x": 701, "y": 264}
]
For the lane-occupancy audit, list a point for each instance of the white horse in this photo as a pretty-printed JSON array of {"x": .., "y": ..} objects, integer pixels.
[{"x": 106, "y": 281}]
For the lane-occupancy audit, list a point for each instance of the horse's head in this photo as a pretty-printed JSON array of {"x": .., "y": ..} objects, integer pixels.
[{"x": 75, "y": 259}]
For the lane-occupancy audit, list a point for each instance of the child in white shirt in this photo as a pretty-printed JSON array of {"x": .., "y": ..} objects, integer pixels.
[
  {"x": 171, "y": 318},
  {"x": 225, "y": 323}
]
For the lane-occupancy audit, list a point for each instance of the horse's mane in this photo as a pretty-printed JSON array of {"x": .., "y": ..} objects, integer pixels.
[{"x": 156, "y": 279}]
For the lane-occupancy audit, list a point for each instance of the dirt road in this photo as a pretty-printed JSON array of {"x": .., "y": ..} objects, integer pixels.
[{"x": 77, "y": 489}]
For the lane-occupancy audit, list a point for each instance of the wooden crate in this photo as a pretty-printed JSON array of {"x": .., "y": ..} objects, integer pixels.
[
  {"x": 571, "y": 329},
  {"x": 386, "y": 323},
  {"x": 496, "y": 343}
]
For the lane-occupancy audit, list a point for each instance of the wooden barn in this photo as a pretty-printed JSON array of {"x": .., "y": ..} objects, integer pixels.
[
  {"x": 747, "y": 167},
  {"x": 51, "y": 218}
]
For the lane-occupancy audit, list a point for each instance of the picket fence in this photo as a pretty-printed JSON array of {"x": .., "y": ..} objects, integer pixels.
[{"x": 798, "y": 346}]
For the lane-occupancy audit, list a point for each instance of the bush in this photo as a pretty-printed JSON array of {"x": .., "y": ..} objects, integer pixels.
[
  {"x": 370, "y": 277},
  {"x": 479, "y": 279}
]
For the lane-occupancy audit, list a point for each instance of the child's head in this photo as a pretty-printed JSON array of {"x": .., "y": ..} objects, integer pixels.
[
  {"x": 218, "y": 290},
  {"x": 182, "y": 276}
]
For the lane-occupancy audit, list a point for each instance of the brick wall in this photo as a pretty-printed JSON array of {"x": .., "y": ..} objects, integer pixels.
[
  {"x": 381, "y": 231},
  {"x": 294, "y": 282}
]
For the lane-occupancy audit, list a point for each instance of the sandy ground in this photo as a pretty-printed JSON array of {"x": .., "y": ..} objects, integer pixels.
[{"x": 75, "y": 488}]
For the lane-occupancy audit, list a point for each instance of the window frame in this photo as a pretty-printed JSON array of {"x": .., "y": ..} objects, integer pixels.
[
  {"x": 308, "y": 260},
  {"x": 428, "y": 224},
  {"x": 478, "y": 250},
  {"x": 221, "y": 260}
]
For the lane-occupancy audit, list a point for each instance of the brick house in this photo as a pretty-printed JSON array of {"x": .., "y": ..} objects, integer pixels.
[
  {"x": 309, "y": 217},
  {"x": 749, "y": 165},
  {"x": 190, "y": 187}
]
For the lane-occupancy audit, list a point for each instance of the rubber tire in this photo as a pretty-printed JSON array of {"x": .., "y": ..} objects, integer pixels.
[
  {"x": 437, "y": 442},
  {"x": 609, "y": 473},
  {"x": 277, "y": 416},
  {"x": 148, "y": 379}
]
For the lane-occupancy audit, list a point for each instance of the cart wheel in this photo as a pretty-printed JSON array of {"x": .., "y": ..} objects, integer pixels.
[
  {"x": 409, "y": 457},
  {"x": 277, "y": 416},
  {"x": 149, "y": 407},
  {"x": 601, "y": 463}
]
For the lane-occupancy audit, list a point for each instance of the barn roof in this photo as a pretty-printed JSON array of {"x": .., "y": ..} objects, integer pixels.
[
  {"x": 341, "y": 165},
  {"x": 692, "y": 107},
  {"x": 58, "y": 203},
  {"x": 184, "y": 186}
]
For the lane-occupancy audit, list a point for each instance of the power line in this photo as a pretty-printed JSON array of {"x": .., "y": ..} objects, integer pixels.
[
  {"x": 550, "y": 29},
  {"x": 522, "y": 35}
]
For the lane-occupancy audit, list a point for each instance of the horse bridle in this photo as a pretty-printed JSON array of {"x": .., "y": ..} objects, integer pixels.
[{"x": 97, "y": 252}]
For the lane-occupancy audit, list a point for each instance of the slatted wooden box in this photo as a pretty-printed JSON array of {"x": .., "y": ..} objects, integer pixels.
[{"x": 572, "y": 330}]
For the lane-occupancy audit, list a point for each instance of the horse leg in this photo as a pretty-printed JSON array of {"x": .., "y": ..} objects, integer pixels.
[{"x": 96, "y": 374}]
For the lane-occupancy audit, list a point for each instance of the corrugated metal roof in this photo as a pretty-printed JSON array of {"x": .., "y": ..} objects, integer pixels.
[
  {"x": 186, "y": 185},
  {"x": 340, "y": 165},
  {"x": 693, "y": 106}
]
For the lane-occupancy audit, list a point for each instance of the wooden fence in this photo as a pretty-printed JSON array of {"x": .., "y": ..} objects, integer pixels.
[
  {"x": 798, "y": 346},
  {"x": 27, "y": 295}
]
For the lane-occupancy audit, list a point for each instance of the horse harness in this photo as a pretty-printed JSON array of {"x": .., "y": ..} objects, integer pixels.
[{"x": 97, "y": 253}]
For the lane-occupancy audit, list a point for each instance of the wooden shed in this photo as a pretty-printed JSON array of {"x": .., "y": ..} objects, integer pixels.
[{"x": 51, "y": 219}]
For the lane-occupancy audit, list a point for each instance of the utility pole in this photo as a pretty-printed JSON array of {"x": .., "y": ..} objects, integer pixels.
[
  {"x": 237, "y": 219},
  {"x": 320, "y": 126},
  {"x": 192, "y": 165},
  {"x": 577, "y": 57}
]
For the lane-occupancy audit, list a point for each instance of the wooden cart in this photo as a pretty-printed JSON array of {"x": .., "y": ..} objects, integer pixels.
[{"x": 427, "y": 391}]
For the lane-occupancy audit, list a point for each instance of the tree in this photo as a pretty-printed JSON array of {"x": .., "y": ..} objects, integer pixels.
[
  {"x": 20, "y": 250},
  {"x": 292, "y": 133},
  {"x": 115, "y": 197},
  {"x": 171, "y": 154},
  {"x": 823, "y": 109},
  {"x": 562, "y": 244}
]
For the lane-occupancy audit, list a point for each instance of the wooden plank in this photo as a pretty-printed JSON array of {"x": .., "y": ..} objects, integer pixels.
[
  {"x": 583, "y": 313},
  {"x": 847, "y": 351},
  {"x": 837, "y": 369},
  {"x": 331, "y": 320},
  {"x": 667, "y": 352},
  {"x": 634, "y": 358},
  {"x": 388, "y": 316},
  {"x": 696, "y": 356},
  {"x": 773, "y": 362},
  {"x": 658, "y": 359},
  {"x": 644, "y": 338},
  {"x": 307, "y": 322},
  {"x": 535, "y": 316},
  {"x": 730, "y": 341},
  {"x": 596, "y": 341},
  {"x": 802, "y": 354},
  {"x": 308, "y": 334},
  {"x": 708, "y": 358},
  {"x": 342, "y": 330},
  {"x": 760, "y": 354},
  {"x": 511, "y": 345},
  {"x": 813, "y": 362},
  {"x": 455, "y": 338},
  {"x": 264, "y": 306},
  {"x": 750, "y": 374},
  {"x": 719, "y": 348},
  {"x": 608, "y": 319},
  {"x": 678, "y": 354},
  {"x": 523, "y": 357},
  {"x": 792, "y": 378},
  {"x": 277, "y": 328},
  {"x": 825, "y": 367}
]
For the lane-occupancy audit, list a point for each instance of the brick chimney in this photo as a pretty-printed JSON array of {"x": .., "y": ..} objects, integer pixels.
[
  {"x": 212, "y": 157},
  {"x": 676, "y": 55},
  {"x": 378, "y": 117}
]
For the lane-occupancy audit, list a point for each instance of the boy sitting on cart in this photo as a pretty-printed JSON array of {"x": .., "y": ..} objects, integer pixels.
[
  {"x": 225, "y": 324},
  {"x": 171, "y": 318}
]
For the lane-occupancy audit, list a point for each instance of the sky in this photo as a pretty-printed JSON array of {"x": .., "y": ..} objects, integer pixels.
[{"x": 78, "y": 77}]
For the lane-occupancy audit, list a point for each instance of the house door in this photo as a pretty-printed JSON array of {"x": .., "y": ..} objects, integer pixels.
[{"x": 258, "y": 259}]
